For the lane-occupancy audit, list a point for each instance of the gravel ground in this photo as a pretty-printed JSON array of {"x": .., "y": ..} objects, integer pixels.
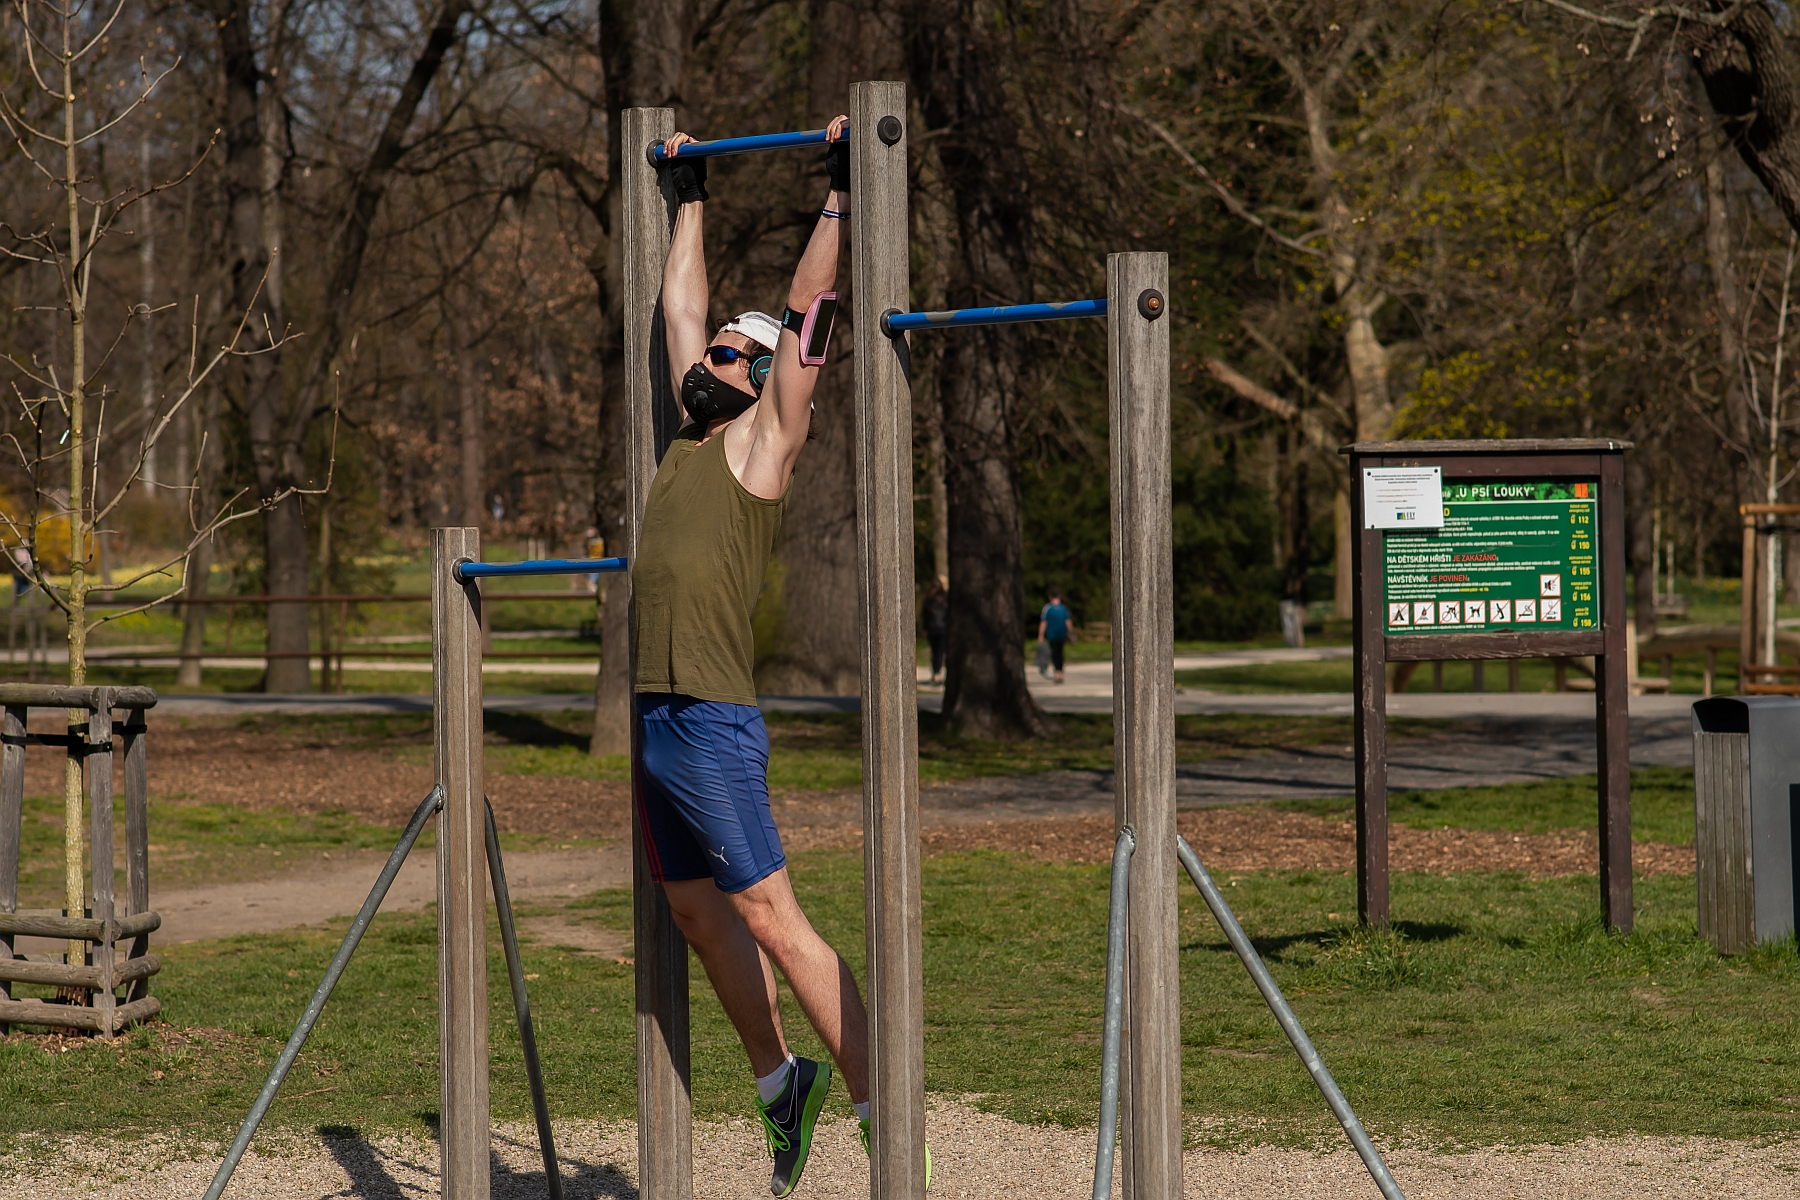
[{"x": 975, "y": 1154}]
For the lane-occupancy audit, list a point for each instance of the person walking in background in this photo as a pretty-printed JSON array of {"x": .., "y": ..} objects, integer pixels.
[
  {"x": 1053, "y": 630},
  {"x": 934, "y": 615}
]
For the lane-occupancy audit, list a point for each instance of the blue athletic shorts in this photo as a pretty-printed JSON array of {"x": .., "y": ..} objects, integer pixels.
[{"x": 703, "y": 791}]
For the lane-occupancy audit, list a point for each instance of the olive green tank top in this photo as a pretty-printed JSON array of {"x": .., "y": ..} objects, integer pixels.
[{"x": 700, "y": 564}]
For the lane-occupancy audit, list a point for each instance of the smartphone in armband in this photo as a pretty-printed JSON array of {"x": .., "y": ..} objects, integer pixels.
[{"x": 813, "y": 328}]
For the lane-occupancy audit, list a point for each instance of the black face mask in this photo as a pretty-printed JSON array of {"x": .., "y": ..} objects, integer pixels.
[{"x": 708, "y": 398}]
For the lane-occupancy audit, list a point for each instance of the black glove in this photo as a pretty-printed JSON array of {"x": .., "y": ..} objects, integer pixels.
[
  {"x": 690, "y": 180},
  {"x": 837, "y": 164}
]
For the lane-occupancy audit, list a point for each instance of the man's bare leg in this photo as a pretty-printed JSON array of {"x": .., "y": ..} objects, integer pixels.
[
  {"x": 820, "y": 977},
  {"x": 736, "y": 965}
]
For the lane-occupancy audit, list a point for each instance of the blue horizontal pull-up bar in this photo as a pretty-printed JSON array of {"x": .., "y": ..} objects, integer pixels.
[
  {"x": 895, "y": 323},
  {"x": 742, "y": 145},
  {"x": 466, "y": 571}
]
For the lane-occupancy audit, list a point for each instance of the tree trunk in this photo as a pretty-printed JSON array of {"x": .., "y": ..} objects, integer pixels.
[
  {"x": 1640, "y": 538},
  {"x": 646, "y": 63},
  {"x": 468, "y": 423},
  {"x": 1749, "y": 71},
  {"x": 248, "y": 256},
  {"x": 958, "y": 76},
  {"x": 818, "y": 649}
]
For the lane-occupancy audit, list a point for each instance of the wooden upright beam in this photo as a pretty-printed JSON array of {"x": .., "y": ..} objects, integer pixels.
[
  {"x": 1367, "y": 591},
  {"x": 665, "y": 1104},
  {"x": 1612, "y": 697},
  {"x": 463, "y": 1136},
  {"x": 879, "y": 273},
  {"x": 12, "y": 804},
  {"x": 137, "y": 837},
  {"x": 100, "y": 848},
  {"x": 1143, "y": 614}
]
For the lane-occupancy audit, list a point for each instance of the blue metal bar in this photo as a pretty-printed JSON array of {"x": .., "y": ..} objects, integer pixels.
[
  {"x": 741, "y": 145},
  {"x": 895, "y": 323},
  {"x": 1115, "y": 1013},
  {"x": 1290, "y": 1024},
  {"x": 466, "y": 571},
  {"x": 316, "y": 1005}
]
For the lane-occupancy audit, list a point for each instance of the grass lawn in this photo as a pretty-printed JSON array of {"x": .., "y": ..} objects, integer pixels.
[
  {"x": 1497, "y": 1011},
  {"x": 1662, "y": 806}
]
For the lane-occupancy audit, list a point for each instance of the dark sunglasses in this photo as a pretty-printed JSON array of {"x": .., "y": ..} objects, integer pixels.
[{"x": 759, "y": 362}]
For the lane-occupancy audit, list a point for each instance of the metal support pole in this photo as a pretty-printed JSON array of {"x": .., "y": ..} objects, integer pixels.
[
  {"x": 316, "y": 1005},
  {"x": 1290, "y": 1024},
  {"x": 1113, "y": 1026},
  {"x": 1137, "y": 287},
  {"x": 665, "y": 1104},
  {"x": 463, "y": 1135},
  {"x": 1006, "y": 314},
  {"x": 884, "y": 536},
  {"x": 515, "y": 975},
  {"x": 651, "y": 150}
]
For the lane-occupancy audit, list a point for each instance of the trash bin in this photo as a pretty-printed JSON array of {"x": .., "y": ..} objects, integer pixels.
[{"x": 1746, "y": 817}]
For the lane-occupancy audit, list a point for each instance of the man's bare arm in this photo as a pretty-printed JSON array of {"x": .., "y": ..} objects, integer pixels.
[
  {"x": 685, "y": 295},
  {"x": 785, "y": 414}
]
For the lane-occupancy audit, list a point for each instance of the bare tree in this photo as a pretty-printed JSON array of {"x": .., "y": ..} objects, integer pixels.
[{"x": 62, "y": 395}]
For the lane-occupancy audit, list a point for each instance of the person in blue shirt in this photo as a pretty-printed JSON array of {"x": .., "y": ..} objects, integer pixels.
[{"x": 1053, "y": 630}]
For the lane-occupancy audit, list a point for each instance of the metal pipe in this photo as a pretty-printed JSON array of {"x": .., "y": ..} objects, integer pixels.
[
  {"x": 467, "y": 570},
  {"x": 738, "y": 145},
  {"x": 1290, "y": 1024},
  {"x": 895, "y": 323},
  {"x": 247, "y": 1130},
  {"x": 1115, "y": 1012},
  {"x": 515, "y": 972}
]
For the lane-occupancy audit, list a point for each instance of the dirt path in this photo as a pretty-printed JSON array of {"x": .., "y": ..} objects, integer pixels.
[{"x": 975, "y": 1155}]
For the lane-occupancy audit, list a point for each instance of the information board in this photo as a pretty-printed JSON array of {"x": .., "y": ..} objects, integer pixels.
[{"x": 1513, "y": 555}]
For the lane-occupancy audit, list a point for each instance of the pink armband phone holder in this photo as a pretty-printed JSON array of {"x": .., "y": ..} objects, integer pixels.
[{"x": 814, "y": 339}]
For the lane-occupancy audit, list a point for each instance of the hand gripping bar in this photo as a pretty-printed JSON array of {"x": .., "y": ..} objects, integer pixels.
[{"x": 741, "y": 145}]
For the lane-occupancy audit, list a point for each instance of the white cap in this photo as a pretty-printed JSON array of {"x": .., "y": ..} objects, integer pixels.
[{"x": 759, "y": 327}]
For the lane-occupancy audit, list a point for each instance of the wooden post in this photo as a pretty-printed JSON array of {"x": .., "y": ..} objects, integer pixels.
[
  {"x": 1143, "y": 608},
  {"x": 879, "y": 266},
  {"x": 137, "y": 838},
  {"x": 100, "y": 848},
  {"x": 1747, "y": 605},
  {"x": 665, "y": 1104},
  {"x": 1371, "y": 711},
  {"x": 1612, "y": 698},
  {"x": 463, "y": 1134},
  {"x": 12, "y": 805}
]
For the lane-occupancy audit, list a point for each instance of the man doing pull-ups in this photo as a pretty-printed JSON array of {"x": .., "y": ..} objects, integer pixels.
[{"x": 702, "y": 784}]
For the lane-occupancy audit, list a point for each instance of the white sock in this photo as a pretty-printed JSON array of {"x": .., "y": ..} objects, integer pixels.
[
  {"x": 862, "y": 1110},
  {"x": 769, "y": 1086}
]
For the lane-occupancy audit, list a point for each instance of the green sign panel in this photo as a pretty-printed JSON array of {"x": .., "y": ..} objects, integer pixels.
[{"x": 1513, "y": 556}]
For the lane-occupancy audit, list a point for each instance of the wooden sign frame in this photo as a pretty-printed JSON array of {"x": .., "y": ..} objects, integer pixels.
[{"x": 1602, "y": 459}]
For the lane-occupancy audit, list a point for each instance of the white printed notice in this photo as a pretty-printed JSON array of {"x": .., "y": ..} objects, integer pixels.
[{"x": 1403, "y": 498}]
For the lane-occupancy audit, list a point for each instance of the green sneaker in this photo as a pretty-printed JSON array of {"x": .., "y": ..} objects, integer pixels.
[
  {"x": 788, "y": 1121},
  {"x": 863, "y": 1132}
]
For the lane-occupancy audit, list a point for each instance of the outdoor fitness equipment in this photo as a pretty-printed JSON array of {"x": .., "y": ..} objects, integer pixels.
[
  {"x": 1144, "y": 989},
  {"x": 468, "y": 848}
]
